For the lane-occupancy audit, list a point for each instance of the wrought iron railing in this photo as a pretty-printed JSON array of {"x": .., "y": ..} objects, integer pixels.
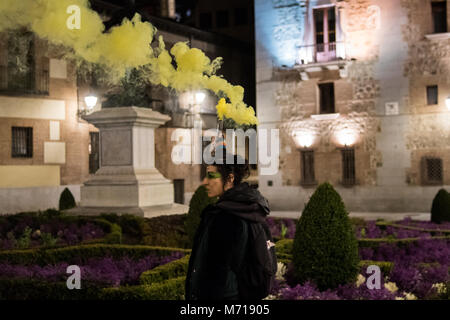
[{"x": 322, "y": 52}]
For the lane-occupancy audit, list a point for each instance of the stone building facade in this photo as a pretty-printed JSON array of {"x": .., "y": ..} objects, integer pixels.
[
  {"x": 44, "y": 145},
  {"x": 358, "y": 90}
]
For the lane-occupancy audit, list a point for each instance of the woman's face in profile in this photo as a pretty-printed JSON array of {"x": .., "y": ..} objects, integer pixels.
[{"x": 213, "y": 182}]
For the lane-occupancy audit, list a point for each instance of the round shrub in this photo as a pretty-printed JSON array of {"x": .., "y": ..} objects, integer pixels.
[
  {"x": 199, "y": 201},
  {"x": 325, "y": 248},
  {"x": 66, "y": 200},
  {"x": 440, "y": 209}
]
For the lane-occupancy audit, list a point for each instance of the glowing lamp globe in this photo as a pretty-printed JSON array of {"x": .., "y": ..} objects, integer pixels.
[
  {"x": 91, "y": 101},
  {"x": 200, "y": 97}
]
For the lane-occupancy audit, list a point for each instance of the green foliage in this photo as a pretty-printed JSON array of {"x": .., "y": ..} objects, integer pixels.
[
  {"x": 24, "y": 241},
  {"x": 385, "y": 266},
  {"x": 48, "y": 240},
  {"x": 167, "y": 231},
  {"x": 283, "y": 231},
  {"x": 81, "y": 253},
  {"x": 171, "y": 289},
  {"x": 66, "y": 200},
  {"x": 284, "y": 246},
  {"x": 133, "y": 227},
  {"x": 199, "y": 201},
  {"x": 132, "y": 92},
  {"x": 440, "y": 208},
  {"x": 115, "y": 236},
  {"x": 325, "y": 248},
  {"x": 167, "y": 271},
  {"x": 31, "y": 289}
]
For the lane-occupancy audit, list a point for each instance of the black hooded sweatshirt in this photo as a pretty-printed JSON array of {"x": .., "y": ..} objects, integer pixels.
[{"x": 220, "y": 243}]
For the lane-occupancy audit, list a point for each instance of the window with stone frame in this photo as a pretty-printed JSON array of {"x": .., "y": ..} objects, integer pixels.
[
  {"x": 348, "y": 167},
  {"x": 22, "y": 142},
  {"x": 432, "y": 95},
  {"x": 326, "y": 98},
  {"x": 432, "y": 170},
  {"x": 307, "y": 165},
  {"x": 439, "y": 16}
]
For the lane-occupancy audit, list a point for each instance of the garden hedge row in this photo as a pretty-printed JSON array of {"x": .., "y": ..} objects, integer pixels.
[
  {"x": 80, "y": 253},
  {"x": 113, "y": 231},
  {"x": 400, "y": 226},
  {"x": 167, "y": 271},
  {"x": 28, "y": 289},
  {"x": 171, "y": 289},
  {"x": 285, "y": 246}
]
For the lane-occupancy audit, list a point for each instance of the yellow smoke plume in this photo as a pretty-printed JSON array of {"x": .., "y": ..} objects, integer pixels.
[{"x": 127, "y": 46}]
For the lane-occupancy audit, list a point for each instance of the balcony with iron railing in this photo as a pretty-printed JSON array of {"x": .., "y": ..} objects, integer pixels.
[
  {"x": 30, "y": 82},
  {"x": 317, "y": 57}
]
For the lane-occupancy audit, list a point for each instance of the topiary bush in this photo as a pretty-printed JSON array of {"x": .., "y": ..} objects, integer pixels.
[
  {"x": 199, "y": 201},
  {"x": 325, "y": 248},
  {"x": 440, "y": 208},
  {"x": 66, "y": 200}
]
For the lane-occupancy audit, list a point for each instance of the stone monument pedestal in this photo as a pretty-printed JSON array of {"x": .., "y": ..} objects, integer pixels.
[{"x": 127, "y": 181}]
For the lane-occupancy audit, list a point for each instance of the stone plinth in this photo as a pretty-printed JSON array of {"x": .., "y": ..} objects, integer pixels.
[{"x": 127, "y": 180}]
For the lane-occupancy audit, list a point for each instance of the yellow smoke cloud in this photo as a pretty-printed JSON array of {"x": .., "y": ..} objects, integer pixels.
[{"x": 127, "y": 46}]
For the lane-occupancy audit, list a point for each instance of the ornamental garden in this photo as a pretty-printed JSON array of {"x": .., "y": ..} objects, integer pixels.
[{"x": 324, "y": 255}]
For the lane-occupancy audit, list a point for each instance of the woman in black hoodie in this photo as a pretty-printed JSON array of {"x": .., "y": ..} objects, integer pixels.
[{"x": 221, "y": 239}]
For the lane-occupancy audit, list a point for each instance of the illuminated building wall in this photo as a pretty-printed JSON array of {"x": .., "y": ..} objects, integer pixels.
[{"x": 351, "y": 86}]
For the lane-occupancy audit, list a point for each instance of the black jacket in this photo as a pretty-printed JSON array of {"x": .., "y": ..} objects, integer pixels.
[{"x": 220, "y": 243}]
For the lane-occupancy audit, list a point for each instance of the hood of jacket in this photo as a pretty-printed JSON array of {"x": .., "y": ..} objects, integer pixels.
[{"x": 244, "y": 201}]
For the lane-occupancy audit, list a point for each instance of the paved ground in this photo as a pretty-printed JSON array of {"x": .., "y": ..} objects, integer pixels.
[{"x": 391, "y": 216}]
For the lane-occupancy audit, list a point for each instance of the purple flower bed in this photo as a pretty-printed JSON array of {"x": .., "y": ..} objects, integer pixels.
[
  {"x": 370, "y": 230},
  {"x": 416, "y": 281},
  {"x": 424, "y": 224},
  {"x": 418, "y": 266},
  {"x": 104, "y": 271},
  {"x": 279, "y": 225}
]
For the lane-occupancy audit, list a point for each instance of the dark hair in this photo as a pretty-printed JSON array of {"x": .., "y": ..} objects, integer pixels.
[{"x": 239, "y": 168}]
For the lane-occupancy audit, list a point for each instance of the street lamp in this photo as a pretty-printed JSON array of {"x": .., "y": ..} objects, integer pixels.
[
  {"x": 447, "y": 102},
  {"x": 91, "y": 101}
]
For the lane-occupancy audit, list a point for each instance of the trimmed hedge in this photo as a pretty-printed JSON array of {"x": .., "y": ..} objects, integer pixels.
[
  {"x": 167, "y": 271},
  {"x": 112, "y": 230},
  {"x": 286, "y": 245},
  {"x": 385, "y": 266},
  {"x": 399, "y": 226},
  {"x": 81, "y": 253},
  {"x": 440, "y": 208},
  {"x": 30, "y": 289},
  {"x": 171, "y": 289},
  {"x": 66, "y": 200},
  {"x": 373, "y": 243},
  {"x": 325, "y": 248}
]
